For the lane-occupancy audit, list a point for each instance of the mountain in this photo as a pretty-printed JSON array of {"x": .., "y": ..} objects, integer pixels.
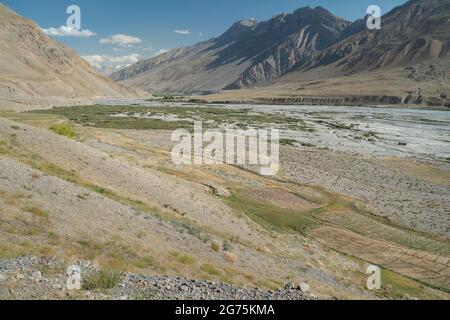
[
  {"x": 107, "y": 70},
  {"x": 34, "y": 65},
  {"x": 415, "y": 32},
  {"x": 248, "y": 53},
  {"x": 310, "y": 43},
  {"x": 278, "y": 45}
]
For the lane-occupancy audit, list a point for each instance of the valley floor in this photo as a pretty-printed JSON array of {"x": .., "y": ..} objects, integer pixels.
[{"x": 111, "y": 195}]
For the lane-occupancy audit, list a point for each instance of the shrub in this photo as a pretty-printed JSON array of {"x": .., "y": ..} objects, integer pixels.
[
  {"x": 175, "y": 254},
  {"x": 209, "y": 269},
  {"x": 214, "y": 191},
  {"x": 186, "y": 260},
  {"x": 186, "y": 227},
  {"x": 63, "y": 129},
  {"x": 145, "y": 262},
  {"x": 215, "y": 247},
  {"x": 37, "y": 212},
  {"x": 54, "y": 238},
  {"x": 35, "y": 175},
  {"x": 287, "y": 142},
  {"x": 101, "y": 280},
  {"x": 230, "y": 257},
  {"x": 227, "y": 246}
]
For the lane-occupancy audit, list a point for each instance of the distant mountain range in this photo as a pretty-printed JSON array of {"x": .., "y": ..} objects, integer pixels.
[
  {"x": 309, "y": 41},
  {"x": 34, "y": 65},
  {"x": 107, "y": 70}
]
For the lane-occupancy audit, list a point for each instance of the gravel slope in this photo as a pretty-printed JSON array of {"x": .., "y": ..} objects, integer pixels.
[{"x": 22, "y": 278}]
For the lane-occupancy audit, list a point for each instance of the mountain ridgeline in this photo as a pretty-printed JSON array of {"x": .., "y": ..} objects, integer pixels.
[{"x": 252, "y": 54}]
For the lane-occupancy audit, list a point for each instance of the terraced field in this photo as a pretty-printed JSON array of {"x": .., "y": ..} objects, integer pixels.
[
  {"x": 421, "y": 265},
  {"x": 340, "y": 226}
]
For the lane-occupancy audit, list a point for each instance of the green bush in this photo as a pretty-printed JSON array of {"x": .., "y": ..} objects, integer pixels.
[
  {"x": 101, "y": 280},
  {"x": 63, "y": 129}
]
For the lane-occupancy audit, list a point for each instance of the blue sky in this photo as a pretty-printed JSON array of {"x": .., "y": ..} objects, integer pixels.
[{"x": 151, "y": 25}]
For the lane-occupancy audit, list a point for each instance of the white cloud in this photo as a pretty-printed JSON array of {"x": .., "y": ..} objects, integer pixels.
[
  {"x": 185, "y": 32},
  {"x": 148, "y": 49},
  {"x": 122, "y": 40},
  {"x": 65, "y": 31},
  {"x": 94, "y": 59},
  {"x": 200, "y": 34},
  {"x": 131, "y": 58},
  {"x": 161, "y": 51},
  {"x": 106, "y": 60}
]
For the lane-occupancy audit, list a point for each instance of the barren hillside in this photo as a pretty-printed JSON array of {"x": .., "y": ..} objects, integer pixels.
[{"x": 34, "y": 65}]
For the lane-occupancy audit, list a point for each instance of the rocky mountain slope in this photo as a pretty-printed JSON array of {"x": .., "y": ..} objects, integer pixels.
[
  {"x": 34, "y": 65},
  {"x": 410, "y": 34},
  {"x": 287, "y": 40},
  {"x": 248, "y": 53},
  {"x": 311, "y": 42}
]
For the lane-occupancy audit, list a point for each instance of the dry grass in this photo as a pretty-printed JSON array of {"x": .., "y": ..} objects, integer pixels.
[
  {"x": 37, "y": 212},
  {"x": 210, "y": 269}
]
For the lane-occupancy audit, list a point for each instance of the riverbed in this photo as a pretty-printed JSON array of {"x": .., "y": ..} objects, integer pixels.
[{"x": 366, "y": 130}]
